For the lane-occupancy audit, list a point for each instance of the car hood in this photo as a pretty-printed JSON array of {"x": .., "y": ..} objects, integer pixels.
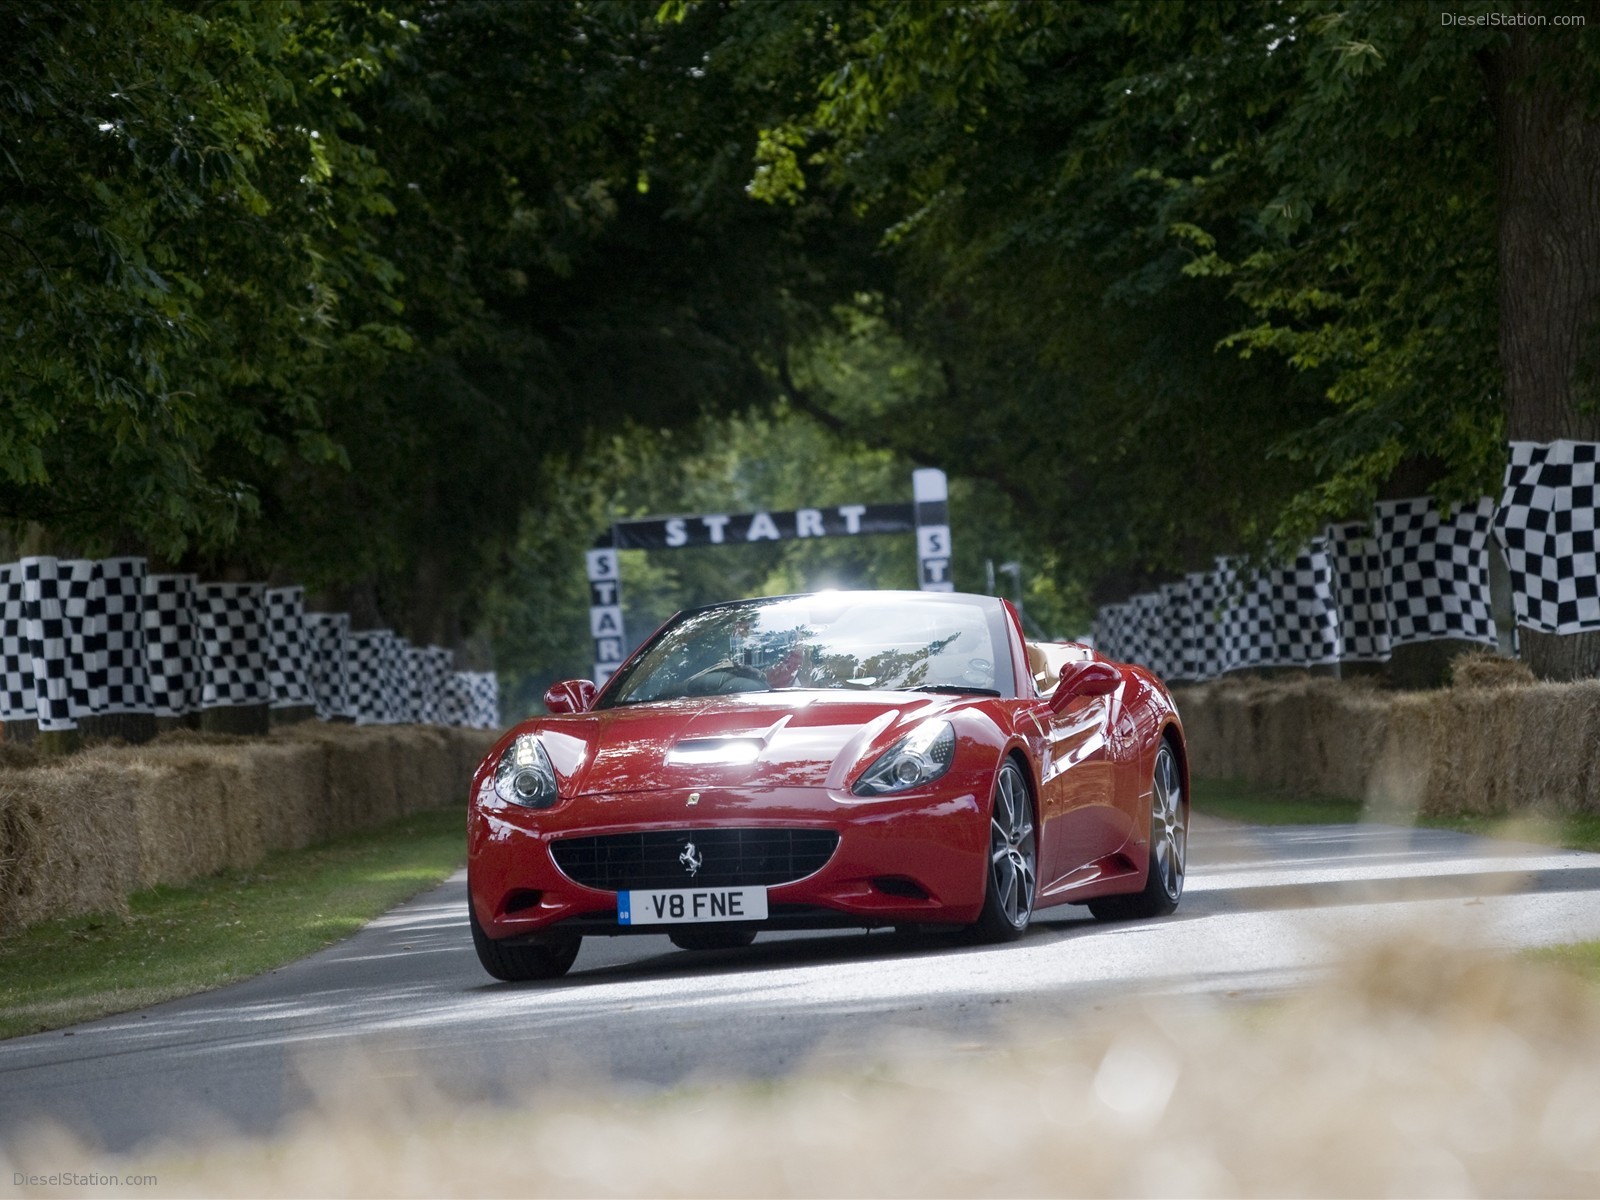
[{"x": 778, "y": 739}]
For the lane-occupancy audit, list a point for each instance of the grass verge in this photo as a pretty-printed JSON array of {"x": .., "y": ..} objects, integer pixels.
[
  {"x": 1237, "y": 800},
  {"x": 176, "y": 941}
]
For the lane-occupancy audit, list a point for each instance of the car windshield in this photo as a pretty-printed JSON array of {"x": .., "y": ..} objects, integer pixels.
[{"x": 835, "y": 640}]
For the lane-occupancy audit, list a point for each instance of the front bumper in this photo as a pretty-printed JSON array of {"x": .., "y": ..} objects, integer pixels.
[{"x": 920, "y": 857}]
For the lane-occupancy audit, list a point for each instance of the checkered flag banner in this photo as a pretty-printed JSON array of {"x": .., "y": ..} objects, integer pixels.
[
  {"x": 1203, "y": 650},
  {"x": 329, "y": 637},
  {"x": 233, "y": 645},
  {"x": 1249, "y": 636},
  {"x": 1143, "y": 638},
  {"x": 481, "y": 696},
  {"x": 172, "y": 644},
  {"x": 80, "y": 638},
  {"x": 429, "y": 667},
  {"x": 1110, "y": 630},
  {"x": 1436, "y": 571},
  {"x": 1304, "y": 612},
  {"x": 16, "y": 659},
  {"x": 1360, "y": 593},
  {"x": 288, "y": 648},
  {"x": 1546, "y": 525},
  {"x": 368, "y": 676},
  {"x": 83, "y": 609},
  {"x": 1171, "y": 631},
  {"x": 121, "y": 585},
  {"x": 49, "y": 643},
  {"x": 397, "y": 681}
]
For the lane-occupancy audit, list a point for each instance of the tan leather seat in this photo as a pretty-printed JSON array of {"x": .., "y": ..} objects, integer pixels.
[
  {"x": 1046, "y": 659},
  {"x": 1039, "y": 663}
]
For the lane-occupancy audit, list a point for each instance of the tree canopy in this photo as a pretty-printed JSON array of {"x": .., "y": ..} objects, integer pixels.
[{"x": 399, "y": 298}]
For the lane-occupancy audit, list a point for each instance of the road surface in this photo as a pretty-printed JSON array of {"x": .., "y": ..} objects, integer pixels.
[{"x": 1266, "y": 909}]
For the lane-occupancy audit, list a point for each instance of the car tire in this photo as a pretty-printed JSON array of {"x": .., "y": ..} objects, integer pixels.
[
  {"x": 1012, "y": 871},
  {"x": 712, "y": 939},
  {"x": 1169, "y": 846},
  {"x": 549, "y": 958}
]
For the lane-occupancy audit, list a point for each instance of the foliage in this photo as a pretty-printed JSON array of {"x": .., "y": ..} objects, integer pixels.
[
  {"x": 406, "y": 299},
  {"x": 191, "y": 262},
  {"x": 1244, "y": 252}
]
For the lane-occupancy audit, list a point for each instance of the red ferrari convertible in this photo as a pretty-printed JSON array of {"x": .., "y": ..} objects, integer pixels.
[{"x": 836, "y": 759}]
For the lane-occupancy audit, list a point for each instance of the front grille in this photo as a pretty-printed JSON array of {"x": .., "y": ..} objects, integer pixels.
[{"x": 728, "y": 857}]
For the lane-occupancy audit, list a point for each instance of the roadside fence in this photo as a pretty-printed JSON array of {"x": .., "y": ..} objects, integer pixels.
[
  {"x": 1412, "y": 574},
  {"x": 90, "y": 637}
]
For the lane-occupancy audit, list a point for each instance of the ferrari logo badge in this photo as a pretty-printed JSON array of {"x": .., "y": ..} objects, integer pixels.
[
  {"x": 694, "y": 798},
  {"x": 691, "y": 859}
]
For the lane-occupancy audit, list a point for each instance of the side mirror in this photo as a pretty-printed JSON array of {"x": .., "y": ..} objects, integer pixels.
[
  {"x": 570, "y": 696},
  {"x": 1085, "y": 679}
]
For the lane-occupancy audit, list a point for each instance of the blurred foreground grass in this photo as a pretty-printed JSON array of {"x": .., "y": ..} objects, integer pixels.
[
  {"x": 175, "y": 941},
  {"x": 1238, "y": 800},
  {"x": 1419, "y": 1068}
]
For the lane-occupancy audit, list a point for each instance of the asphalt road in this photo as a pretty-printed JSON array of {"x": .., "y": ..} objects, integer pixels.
[{"x": 1266, "y": 910}]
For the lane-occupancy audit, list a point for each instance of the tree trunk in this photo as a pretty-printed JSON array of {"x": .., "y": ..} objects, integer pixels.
[{"x": 1548, "y": 141}]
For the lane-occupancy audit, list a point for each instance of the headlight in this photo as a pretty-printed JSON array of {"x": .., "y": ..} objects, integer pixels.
[
  {"x": 524, "y": 775},
  {"x": 920, "y": 757}
]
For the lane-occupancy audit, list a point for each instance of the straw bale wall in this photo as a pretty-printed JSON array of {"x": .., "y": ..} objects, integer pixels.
[
  {"x": 80, "y": 834},
  {"x": 1513, "y": 747}
]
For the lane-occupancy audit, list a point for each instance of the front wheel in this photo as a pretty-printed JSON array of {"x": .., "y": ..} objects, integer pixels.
[
  {"x": 547, "y": 959},
  {"x": 1013, "y": 860},
  {"x": 1169, "y": 845}
]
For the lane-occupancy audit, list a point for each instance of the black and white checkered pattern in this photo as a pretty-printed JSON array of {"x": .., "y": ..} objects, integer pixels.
[
  {"x": 288, "y": 648},
  {"x": 1436, "y": 571},
  {"x": 1109, "y": 630},
  {"x": 122, "y": 583},
  {"x": 1249, "y": 638},
  {"x": 1171, "y": 625},
  {"x": 429, "y": 667},
  {"x": 233, "y": 645},
  {"x": 480, "y": 692},
  {"x": 1547, "y": 525},
  {"x": 397, "y": 681},
  {"x": 1207, "y": 607},
  {"x": 371, "y": 654},
  {"x": 1361, "y": 596},
  {"x": 172, "y": 644},
  {"x": 105, "y": 636},
  {"x": 329, "y": 635},
  {"x": 48, "y": 644},
  {"x": 83, "y": 607},
  {"x": 1146, "y": 634},
  {"x": 1305, "y": 617},
  {"x": 16, "y": 659},
  {"x": 454, "y": 699}
]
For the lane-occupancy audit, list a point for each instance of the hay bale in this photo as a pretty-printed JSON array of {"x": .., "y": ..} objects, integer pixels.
[
  {"x": 1486, "y": 669},
  {"x": 184, "y": 810},
  {"x": 1553, "y": 736},
  {"x": 69, "y": 843},
  {"x": 80, "y": 834},
  {"x": 1471, "y": 738}
]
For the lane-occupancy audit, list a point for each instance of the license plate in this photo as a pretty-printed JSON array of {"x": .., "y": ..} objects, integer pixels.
[{"x": 688, "y": 906}]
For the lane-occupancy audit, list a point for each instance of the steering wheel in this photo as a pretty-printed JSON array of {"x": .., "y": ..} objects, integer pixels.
[
  {"x": 979, "y": 673},
  {"x": 725, "y": 676}
]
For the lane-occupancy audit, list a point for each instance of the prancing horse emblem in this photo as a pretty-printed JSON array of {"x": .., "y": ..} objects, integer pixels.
[{"x": 691, "y": 860}]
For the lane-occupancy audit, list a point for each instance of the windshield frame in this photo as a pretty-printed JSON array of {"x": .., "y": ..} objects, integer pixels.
[{"x": 994, "y": 611}]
